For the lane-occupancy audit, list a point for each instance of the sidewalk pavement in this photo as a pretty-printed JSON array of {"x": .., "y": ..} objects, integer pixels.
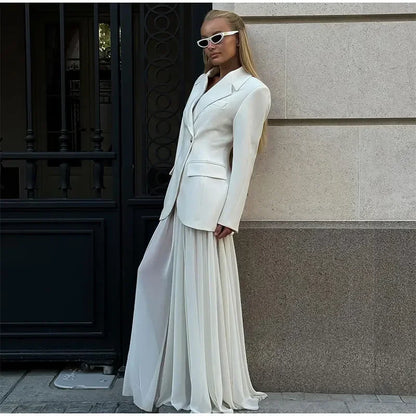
[{"x": 31, "y": 390}]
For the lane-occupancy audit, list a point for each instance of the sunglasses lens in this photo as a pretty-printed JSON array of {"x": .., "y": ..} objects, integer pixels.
[
  {"x": 203, "y": 43},
  {"x": 217, "y": 38}
]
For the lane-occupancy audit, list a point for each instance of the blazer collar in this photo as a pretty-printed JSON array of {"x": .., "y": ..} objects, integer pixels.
[
  {"x": 231, "y": 82},
  {"x": 236, "y": 78}
]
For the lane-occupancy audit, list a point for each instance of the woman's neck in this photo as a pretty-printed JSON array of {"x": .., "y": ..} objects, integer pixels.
[{"x": 228, "y": 67}]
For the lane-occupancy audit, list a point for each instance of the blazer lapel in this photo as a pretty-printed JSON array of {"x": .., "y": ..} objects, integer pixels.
[
  {"x": 199, "y": 90},
  {"x": 224, "y": 87}
]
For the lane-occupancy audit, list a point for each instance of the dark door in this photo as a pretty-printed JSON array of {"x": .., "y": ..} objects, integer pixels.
[
  {"x": 160, "y": 63},
  {"x": 90, "y": 111}
]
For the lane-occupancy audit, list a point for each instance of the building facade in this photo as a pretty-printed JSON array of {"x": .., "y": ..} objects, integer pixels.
[
  {"x": 327, "y": 248},
  {"x": 91, "y": 101}
]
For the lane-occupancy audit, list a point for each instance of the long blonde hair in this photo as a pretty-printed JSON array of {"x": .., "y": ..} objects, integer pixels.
[{"x": 244, "y": 52}]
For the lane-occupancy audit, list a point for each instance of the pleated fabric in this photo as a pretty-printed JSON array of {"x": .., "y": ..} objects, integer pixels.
[{"x": 187, "y": 346}]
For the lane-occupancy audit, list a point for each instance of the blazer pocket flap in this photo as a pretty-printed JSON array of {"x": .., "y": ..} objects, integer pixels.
[{"x": 212, "y": 170}]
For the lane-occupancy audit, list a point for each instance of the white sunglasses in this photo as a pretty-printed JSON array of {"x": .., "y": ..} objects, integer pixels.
[{"x": 217, "y": 38}]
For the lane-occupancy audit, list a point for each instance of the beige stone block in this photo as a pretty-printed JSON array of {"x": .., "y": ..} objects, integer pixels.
[
  {"x": 349, "y": 70},
  {"x": 224, "y": 6},
  {"x": 306, "y": 173},
  {"x": 316, "y": 9},
  {"x": 388, "y": 172},
  {"x": 268, "y": 43},
  {"x": 388, "y": 8},
  {"x": 296, "y": 9}
]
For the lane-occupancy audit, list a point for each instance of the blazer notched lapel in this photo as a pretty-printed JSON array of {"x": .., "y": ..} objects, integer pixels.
[
  {"x": 200, "y": 87},
  {"x": 225, "y": 87},
  {"x": 215, "y": 93}
]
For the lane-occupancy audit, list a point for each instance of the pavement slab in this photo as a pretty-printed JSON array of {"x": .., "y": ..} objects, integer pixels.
[
  {"x": 293, "y": 396},
  {"x": 408, "y": 399},
  {"x": 33, "y": 391},
  {"x": 268, "y": 405},
  {"x": 389, "y": 398},
  {"x": 37, "y": 386},
  {"x": 272, "y": 396},
  {"x": 8, "y": 408},
  {"x": 54, "y": 408},
  {"x": 129, "y": 408},
  {"x": 82, "y": 407},
  {"x": 367, "y": 407},
  {"x": 8, "y": 380},
  {"x": 108, "y": 407},
  {"x": 29, "y": 408},
  {"x": 345, "y": 397},
  {"x": 317, "y": 397},
  {"x": 303, "y": 406},
  {"x": 366, "y": 398}
]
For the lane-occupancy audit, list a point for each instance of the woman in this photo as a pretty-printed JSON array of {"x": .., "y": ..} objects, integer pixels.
[{"x": 187, "y": 345}]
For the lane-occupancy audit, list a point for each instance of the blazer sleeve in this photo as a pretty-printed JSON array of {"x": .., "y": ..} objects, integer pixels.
[{"x": 247, "y": 129}]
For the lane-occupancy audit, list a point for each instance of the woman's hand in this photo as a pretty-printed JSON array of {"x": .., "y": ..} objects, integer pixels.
[{"x": 222, "y": 231}]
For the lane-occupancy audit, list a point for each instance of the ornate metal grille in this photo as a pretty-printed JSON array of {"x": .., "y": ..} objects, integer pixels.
[{"x": 162, "y": 66}]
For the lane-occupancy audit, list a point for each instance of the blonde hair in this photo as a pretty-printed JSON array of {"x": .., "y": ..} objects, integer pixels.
[{"x": 244, "y": 52}]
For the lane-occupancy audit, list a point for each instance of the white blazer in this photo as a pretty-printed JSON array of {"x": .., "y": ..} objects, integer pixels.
[{"x": 230, "y": 115}]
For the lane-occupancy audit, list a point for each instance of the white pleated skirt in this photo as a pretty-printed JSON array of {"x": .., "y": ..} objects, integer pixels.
[{"x": 187, "y": 346}]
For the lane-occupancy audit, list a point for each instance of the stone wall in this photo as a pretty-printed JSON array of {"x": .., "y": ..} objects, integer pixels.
[{"x": 327, "y": 245}]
